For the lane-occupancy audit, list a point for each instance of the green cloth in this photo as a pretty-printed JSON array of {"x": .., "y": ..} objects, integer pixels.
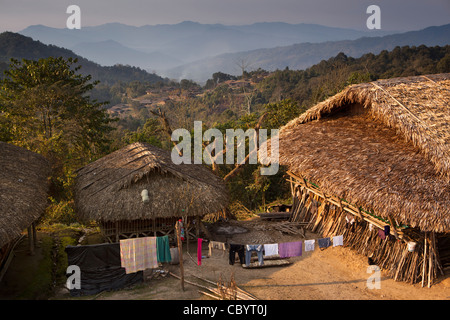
[{"x": 163, "y": 249}]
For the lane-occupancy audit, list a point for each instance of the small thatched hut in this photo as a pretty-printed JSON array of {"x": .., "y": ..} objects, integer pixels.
[
  {"x": 109, "y": 191},
  {"x": 23, "y": 194},
  {"x": 380, "y": 152}
]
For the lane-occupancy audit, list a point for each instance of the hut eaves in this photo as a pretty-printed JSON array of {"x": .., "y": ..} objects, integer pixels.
[
  {"x": 23, "y": 190},
  {"x": 384, "y": 146}
]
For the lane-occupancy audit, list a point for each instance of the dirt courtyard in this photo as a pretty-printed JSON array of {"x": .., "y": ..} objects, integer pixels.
[{"x": 336, "y": 273}]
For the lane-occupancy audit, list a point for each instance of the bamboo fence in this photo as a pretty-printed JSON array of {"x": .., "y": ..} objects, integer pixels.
[{"x": 327, "y": 215}]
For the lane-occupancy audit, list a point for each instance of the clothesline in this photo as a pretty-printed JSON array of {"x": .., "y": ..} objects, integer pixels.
[{"x": 283, "y": 249}]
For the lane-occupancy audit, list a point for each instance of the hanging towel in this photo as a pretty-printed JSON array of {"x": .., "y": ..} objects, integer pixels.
[
  {"x": 309, "y": 245},
  {"x": 271, "y": 249},
  {"x": 199, "y": 251},
  {"x": 324, "y": 243},
  {"x": 163, "y": 249},
  {"x": 338, "y": 241},
  {"x": 138, "y": 254},
  {"x": 290, "y": 249},
  {"x": 217, "y": 246}
]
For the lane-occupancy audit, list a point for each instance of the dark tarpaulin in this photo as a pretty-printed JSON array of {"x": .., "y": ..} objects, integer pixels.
[{"x": 100, "y": 268}]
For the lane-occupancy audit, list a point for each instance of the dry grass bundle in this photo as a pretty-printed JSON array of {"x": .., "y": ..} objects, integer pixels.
[{"x": 239, "y": 211}]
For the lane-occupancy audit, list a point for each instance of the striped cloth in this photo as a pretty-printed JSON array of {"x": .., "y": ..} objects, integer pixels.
[{"x": 138, "y": 254}]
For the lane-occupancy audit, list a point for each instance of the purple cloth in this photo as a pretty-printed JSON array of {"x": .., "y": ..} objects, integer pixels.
[{"x": 290, "y": 249}]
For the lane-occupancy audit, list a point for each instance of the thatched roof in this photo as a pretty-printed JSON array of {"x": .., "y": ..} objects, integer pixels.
[
  {"x": 384, "y": 146},
  {"x": 23, "y": 190},
  {"x": 109, "y": 189}
]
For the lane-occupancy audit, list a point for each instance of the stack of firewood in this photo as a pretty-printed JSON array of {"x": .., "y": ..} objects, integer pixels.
[
  {"x": 220, "y": 290},
  {"x": 284, "y": 227}
]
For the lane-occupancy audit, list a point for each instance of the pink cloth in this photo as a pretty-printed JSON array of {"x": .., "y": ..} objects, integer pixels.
[
  {"x": 199, "y": 251},
  {"x": 290, "y": 249}
]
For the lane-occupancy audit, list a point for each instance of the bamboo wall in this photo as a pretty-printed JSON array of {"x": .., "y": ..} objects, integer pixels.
[{"x": 326, "y": 215}]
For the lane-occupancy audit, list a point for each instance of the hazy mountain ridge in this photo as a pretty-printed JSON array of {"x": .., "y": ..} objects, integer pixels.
[
  {"x": 303, "y": 55},
  {"x": 186, "y": 41}
]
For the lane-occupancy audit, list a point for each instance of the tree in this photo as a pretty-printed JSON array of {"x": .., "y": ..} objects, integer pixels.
[
  {"x": 45, "y": 107},
  {"x": 280, "y": 113}
]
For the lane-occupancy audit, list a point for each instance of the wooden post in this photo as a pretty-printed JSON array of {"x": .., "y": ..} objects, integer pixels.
[
  {"x": 33, "y": 225},
  {"x": 197, "y": 226},
  {"x": 393, "y": 226},
  {"x": 30, "y": 240},
  {"x": 186, "y": 232},
  {"x": 180, "y": 252},
  {"x": 424, "y": 258}
]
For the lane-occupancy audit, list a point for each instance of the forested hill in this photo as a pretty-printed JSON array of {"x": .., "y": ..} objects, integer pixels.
[
  {"x": 14, "y": 45},
  {"x": 328, "y": 77}
]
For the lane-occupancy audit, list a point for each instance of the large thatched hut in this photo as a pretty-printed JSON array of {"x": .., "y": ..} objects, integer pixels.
[
  {"x": 111, "y": 190},
  {"x": 23, "y": 194},
  {"x": 378, "y": 153}
]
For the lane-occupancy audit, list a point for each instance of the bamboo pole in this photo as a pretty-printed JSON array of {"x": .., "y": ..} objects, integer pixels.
[
  {"x": 424, "y": 259},
  {"x": 180, "y": 252}
]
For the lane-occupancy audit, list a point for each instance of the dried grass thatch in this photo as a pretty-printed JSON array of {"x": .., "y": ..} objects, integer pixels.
[
  {"x": 383, "y": 146},
  {"x": 23, "y": 190},
  {"x": 109, "y": 189}
]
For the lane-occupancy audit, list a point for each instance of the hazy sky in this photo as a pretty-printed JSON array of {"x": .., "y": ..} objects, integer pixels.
[{"x": 400, "y": 15}]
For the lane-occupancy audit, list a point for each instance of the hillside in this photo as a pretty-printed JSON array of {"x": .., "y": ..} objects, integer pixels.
[
  {"x": 227, "y": 98},
  {"x": 14, "y": 45},
  {"x": 304, "y": 55}
]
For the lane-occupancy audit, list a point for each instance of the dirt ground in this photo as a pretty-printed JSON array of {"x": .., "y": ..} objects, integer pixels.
[{"x": 336, "y": 273}]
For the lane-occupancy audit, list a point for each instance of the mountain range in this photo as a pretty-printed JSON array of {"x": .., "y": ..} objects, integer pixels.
[
  {"x": 195, "y": 51},
  {"x": 163, "y": 46},
  {"x": 303, "y": 55}
]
